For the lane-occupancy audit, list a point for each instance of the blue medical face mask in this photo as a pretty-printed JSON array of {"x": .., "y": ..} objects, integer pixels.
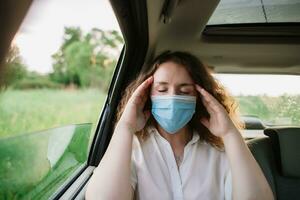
[{"x": 172, "y": 112}]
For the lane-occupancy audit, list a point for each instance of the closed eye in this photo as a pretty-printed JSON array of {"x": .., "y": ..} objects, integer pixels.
[{"x": 164, "y": 90}]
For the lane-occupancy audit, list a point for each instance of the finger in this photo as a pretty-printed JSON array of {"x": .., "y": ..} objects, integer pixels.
[
  {"x": 139, "y": 93},
  {"x": 205, "y": 122},
  {"x": 208, "y": 98},
  {"x": 144, "y": 94},
  {"x": 142, "y": 87},
  {"x": 208, "y": 108},
  {"x": 206, "y": 95}
]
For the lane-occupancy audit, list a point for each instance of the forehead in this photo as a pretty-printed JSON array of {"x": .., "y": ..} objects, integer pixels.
[{"x": 172, "y": 72}]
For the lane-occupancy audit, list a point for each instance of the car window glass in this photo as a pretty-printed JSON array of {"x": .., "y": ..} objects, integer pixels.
[
  {"x": 273, "y": 99},
  {"x": 58, "y": 71},
  {"x": 264, "y": 100}
]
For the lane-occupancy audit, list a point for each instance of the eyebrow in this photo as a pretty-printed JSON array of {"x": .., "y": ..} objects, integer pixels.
[
  {"x": 186, "y": 84},
  {"x": 181, "y": 85},
  {"x": 161, "y": 83}
]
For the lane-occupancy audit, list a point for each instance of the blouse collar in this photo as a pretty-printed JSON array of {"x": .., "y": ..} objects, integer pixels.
[{"x": 153, "y": 130}]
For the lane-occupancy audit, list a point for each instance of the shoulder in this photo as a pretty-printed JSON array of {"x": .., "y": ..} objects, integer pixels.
[
  {"x": 139, "y": 142},
  {"x": 209, "y": 147},
  {"x": 215, "y": 160},
  {"x": 145, "y": 151},
  {"x": 210, "y": 153},
  {"x": 143, "y": 145}
]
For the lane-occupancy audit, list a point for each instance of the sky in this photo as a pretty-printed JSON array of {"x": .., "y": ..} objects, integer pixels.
[
  {"x": 41, "y": 33},
  {"x": 251, "y": 84}
]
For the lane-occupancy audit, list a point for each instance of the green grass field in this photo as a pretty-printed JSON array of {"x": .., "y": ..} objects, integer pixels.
[
  {"x": 23, "y": 111},
  {"x": 26, "y": 171}
]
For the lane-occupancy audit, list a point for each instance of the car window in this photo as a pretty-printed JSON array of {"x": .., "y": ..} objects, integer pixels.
[
  {"x": 256, "y": 11},
  {"x": 273, "y": 99},
  {"x": 58, "y": 71}
]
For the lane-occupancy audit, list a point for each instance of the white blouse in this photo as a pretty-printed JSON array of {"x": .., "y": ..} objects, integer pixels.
[{"x": 204, "y": 172}]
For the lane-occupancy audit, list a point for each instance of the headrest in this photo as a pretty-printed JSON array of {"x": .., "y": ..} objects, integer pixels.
[{"x": 286, "y": 145}]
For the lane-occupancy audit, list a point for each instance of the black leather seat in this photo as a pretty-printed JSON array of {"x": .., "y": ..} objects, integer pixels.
[{"x": 278, "y": 154}]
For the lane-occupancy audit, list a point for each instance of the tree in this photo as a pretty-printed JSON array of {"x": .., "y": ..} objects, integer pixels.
[
  {"x": 61, "y": 73},
  {"x": 15, "y": 69},
  {"x": 72, "y": 34},
  {"x": 254, "y": 105},
  {"x": 287, "y": 106},
  {"x": 86, "y": 60}
]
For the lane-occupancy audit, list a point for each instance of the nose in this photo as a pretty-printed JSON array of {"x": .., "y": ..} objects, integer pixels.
[{"x": 173, "y": 91}]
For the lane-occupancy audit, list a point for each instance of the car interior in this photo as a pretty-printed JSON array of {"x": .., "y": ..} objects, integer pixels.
[{"x": 152, "y": 26}]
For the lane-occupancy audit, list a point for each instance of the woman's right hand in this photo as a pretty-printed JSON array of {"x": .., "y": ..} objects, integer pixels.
[{"x": 134, "y": 116}]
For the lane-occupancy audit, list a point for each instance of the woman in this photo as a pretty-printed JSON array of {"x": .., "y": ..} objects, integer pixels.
[{"x": 177, "y": 138}]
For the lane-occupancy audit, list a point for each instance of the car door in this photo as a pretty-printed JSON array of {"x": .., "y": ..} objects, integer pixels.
[{"x": 43, "y": 157}]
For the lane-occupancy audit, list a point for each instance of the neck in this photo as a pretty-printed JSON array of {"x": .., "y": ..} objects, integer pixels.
[{"x": 178, "y": 139}]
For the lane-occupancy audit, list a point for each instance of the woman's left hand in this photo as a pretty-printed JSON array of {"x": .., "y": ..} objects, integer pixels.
[{"x": 219, "y": 122}]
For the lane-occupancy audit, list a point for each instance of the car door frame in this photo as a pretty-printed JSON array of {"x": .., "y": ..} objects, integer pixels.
[{"x": 133, "y": 21}]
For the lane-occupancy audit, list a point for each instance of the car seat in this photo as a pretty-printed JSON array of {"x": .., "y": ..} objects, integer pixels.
[{"x": 278, "y": 155}]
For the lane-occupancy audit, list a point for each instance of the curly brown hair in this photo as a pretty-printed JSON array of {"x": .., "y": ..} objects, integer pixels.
[{"x": 202, "y": 76}]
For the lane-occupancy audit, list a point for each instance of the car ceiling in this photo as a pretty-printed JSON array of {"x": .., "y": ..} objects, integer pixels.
[
  {"x": 12, "y": 13},
  {"x": 224, "y": 54}
]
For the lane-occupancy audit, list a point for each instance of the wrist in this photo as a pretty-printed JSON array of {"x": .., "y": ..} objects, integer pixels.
[
  {"x": 231, "y": 135},
  {"x": 125, "y": 126}
]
